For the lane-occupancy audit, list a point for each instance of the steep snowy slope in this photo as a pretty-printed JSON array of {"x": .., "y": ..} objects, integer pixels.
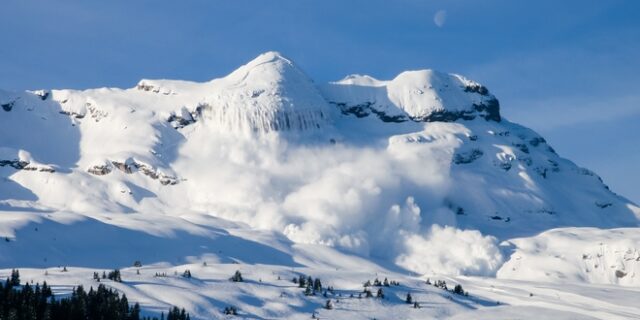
[{"x": 386, "y": 170}]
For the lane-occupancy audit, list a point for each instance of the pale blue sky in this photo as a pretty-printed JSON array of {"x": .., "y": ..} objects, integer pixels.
[{"x": 568, "y": 69}]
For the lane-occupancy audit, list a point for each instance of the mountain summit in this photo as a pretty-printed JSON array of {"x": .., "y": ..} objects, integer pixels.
[{"x": 267, "y": 94}]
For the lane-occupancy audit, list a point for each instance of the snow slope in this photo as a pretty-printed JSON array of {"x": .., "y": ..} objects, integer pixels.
[{"x": 418, "y": 175}]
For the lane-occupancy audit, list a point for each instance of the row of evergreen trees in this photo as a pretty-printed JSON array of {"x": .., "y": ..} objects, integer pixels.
[
  {"x": 35, "y": 302},
  {"x": 112, "y": 275},
  {"x": 378, "y": 283},
  {"x": 457, "y": 289},
  {"x": 312, "y": 286}
]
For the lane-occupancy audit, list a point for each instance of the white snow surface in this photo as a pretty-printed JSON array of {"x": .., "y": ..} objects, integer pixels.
[{"x": 265, "y": 171}]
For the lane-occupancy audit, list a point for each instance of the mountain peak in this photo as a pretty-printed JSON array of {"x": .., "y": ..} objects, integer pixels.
[
  {"x": 266, "y": 69},
  {"x": 270, "y": 56},
  {"x": 269, "y": 93}
]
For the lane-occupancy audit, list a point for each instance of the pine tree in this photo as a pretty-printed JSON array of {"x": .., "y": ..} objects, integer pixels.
[
  {"x": 409, "y": 299},
  {"x": 135, "y": 312},
  {"x": 115, "y": 275},
  {"x": 317, "y": 285},
  {"x": 308, "y": 291},
  {"x": 231, "y": 310},
  {"x": 385, "y": 282},
  {"x": 380, "y": 294},
  {"x": 237, "y": 277},
  {"x": 458, "y": 289},
  {"x": 368, "y": 293},
  {"x": 302, "y": 282},
  {"x": 15, "y": 277},
  {"x": 328, "y": 305}
]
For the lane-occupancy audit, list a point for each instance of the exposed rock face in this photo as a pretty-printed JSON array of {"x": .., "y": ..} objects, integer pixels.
[
  {"x": 467, "y": 157},
  {"x": 17, "y": 164},
  {"x": 148, "y": 87},
  {"x": 73, "y": 114},
  {"x": 99, "y": 170},
  {"x": 124, "y": 167},
  {"x": 130, "y": 167},
  {"x": 182, "y": 119},
  {"x": 25, "y": 165},
  {"x": 42, "y": 94},
  {"x": 7, "y": 106}
]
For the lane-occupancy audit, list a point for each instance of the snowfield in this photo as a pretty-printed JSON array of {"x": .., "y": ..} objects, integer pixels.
[{"x": 266, "y": 172}]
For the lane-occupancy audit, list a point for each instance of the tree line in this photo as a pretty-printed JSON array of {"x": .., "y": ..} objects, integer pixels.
[{"x": 37, "y": 302}]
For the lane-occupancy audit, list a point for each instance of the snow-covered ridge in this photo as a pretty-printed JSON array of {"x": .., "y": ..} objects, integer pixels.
[
  {"x": 268, "y": 94},
  {"x": 423, "y": 95},
  {"x": 271, "y": 94}
]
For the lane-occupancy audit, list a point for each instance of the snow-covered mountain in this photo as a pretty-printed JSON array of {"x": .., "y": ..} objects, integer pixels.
[{"x": 419, "y": 174}]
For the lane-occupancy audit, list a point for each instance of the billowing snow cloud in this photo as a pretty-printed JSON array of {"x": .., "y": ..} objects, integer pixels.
[
  {"x": 359, "y": 199},
  {"x": 447, "y": 250}
]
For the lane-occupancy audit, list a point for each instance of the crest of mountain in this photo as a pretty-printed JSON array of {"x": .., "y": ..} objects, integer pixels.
[{"x": 423, "y": 95}]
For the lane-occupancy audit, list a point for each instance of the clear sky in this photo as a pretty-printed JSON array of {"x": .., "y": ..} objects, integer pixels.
[{"x": 568, "y": 69}]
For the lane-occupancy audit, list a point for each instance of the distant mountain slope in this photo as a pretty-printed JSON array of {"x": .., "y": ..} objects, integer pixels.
[{"x": 362, "y": 165}]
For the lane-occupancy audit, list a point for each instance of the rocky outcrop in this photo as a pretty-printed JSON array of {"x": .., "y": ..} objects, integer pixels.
[
  {"x": 7, "y": 106},
  {"x": 149, "y": 87},
  {"x": 467, "y": 157},
  {"x": 183, "y": 118},
  {"x": 25, "y": 165},
  {"x": 99, "y": 170},
  {"x": 130, "y": 167},
  {"x": 95, "y": 112},
  {"x": 74, "y": 114},
  {"x": 124, "y": 167},
  {"x": 365, "y": 109},
  {"x": 42, "y": 94}
]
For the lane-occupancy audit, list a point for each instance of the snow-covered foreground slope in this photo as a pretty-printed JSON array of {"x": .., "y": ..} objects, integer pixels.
[
  {"x": 212, "y": 250},
  {"x": 268, "y": 264},
  {"x": 419, "y": 175},
  {"x": 264, "y": 296}
]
